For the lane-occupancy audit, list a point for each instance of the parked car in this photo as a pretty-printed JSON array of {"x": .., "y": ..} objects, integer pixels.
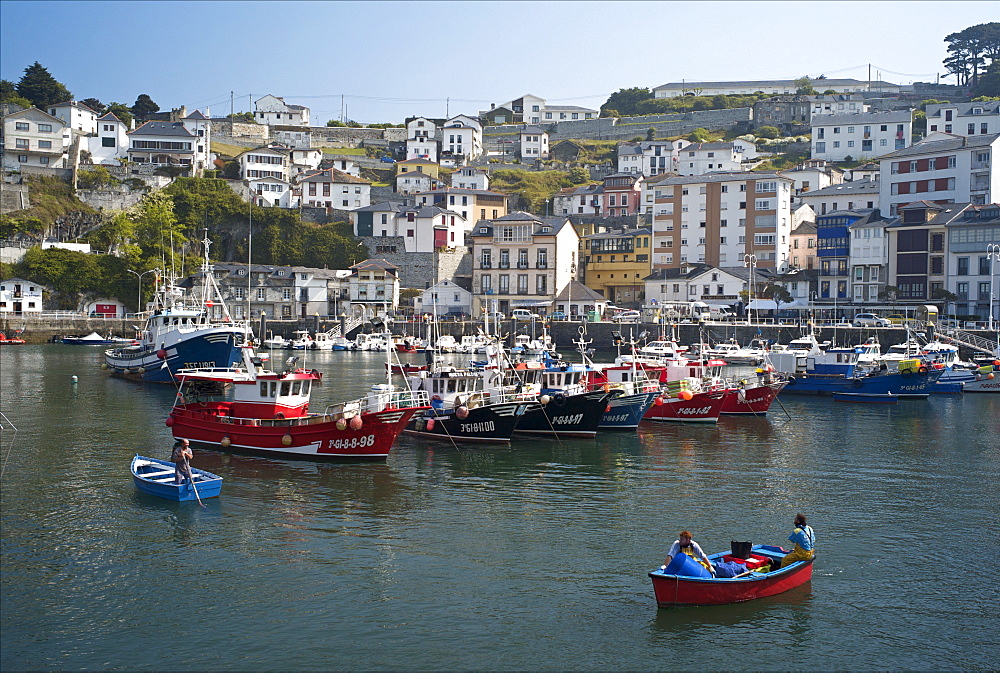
[
  {"x": 455, "y": 315},
  {"x": 869, "y": 320},
  {"x": 896, "y": 319},
  {"x": 496, "y": 315},
  {"x": 524, "y": 314},
  {"x": 387, "y": 160},
  {"x": 558, "y": 315},
  {"x": 627, "y": 316}
]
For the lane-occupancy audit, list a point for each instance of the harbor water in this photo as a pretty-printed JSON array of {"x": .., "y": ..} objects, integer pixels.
[{"x": 528, "y": 557}]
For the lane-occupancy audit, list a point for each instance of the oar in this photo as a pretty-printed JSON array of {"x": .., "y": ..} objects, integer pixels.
[{"x": 191, "y": 475}]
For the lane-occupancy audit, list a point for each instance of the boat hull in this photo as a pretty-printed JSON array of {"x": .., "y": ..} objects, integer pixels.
[
  {"x": 674, "y": 590},
  {"x": 156, "y": 477},
  {"x": 313, "y": 437},
  {"x": 492, "y": 423},
  {"x": 701, "y": 408},
  {"x": 566, "y": 416},
  {"x": 207, "y": 348},
  {"x": 914, "y": 385},
  {"x": 753, "y": 401},
  {"x": 626, "y": 411}
]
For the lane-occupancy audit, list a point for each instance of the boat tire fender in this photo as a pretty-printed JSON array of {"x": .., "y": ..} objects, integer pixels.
[
  {"x": 279, "y": 416},
  {"x": 922, "y": 371},
  {"x": 907, "y": 373},
  {"x": 856, "y": 383},
  {"x": 791, "y": 380},
  {"x": 559, "y": 399}
]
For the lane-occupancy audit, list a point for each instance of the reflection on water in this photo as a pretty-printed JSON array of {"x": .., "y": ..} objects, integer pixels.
[{"x": 527, "y": 557}]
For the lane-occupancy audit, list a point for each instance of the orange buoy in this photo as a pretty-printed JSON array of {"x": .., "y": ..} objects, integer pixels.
[
  {"x": 356, "y": 423},
  {"x": 686, "y": 395},
  {"x": 286, "y": 440},
  {"x": 341, "y": 424}
]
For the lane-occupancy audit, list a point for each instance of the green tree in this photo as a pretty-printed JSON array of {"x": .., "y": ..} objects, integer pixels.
[
  {"x": 95, "y": 105},
  {"x": 776, "y": 293},
  {"x": 335, "y": 122},
  {"x": 770, "y": 132},
  {"x": 989, "y": 83},
  {"x": 144, "y": 106},
  {"x": 889, "y": 293},
  {"x": 699, "y": 135},
  {"x": 97, "y": 177},
  {"x": 8, "y": 94},
  {"x": 578, "y": 175},
  {"x": 919, "y": 122},
  {"x": 41, "y": 88},
  {"x": 804, "y": 87},
  {"x": 972, "y": 51},
  {"x": 609, "y": 113},
  {"x": 246, "y": 117},
  {"x": 121, "y": 111},
  {"x": 231, "y": 170},
  {"x": 626, "y": 100}
]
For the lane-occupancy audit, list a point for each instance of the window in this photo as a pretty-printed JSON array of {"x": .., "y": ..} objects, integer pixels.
[
  {"x": 963, "y": 266},
  {"x": 21, "y": 126},
  {"x": 763, "y": 204},
  {"x": 43, "y": 160},
  {"x": 261, "y": 293},
  {"x": 21, "y": 143},
  {"x": 107, "y": 142},
  {"x": 541, "y": 284},
  {"x": 821, "y": 148},
  {"x": 45, "y": 128}
]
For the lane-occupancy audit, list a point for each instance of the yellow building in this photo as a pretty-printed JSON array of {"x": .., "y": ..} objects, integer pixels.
[
  {"x": 616, "y": 262},
  {"x": 425, "y": 166}
]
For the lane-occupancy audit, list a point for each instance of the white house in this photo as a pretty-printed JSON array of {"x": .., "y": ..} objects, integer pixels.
[
  {"x": 306, "y": 159},
  {"x": 943, "y": 168},
  {"x": 276, "y": 192},
  {"x": 111, "y": 142},
  {"x": 869, "y": 259},
  {"x": 421, "y": 139},
  {"x": 461, "y": 140},
  {"x": 104, "y": 307},
  {"x": 33, "y": 138},
  {"x": 413, "y": 182},
  {"x": 701, "y": 158},
  {"x": 18, "y": 295},
  {"x": 836, "y": 104},
  {"x": 374, "y": 283},
  {"x": 812, "y": 175},
  {"x": 700, "y": 282},
  {"x": 442, "y": 298},
  {"x": 273, "y": 110},
  {"x": 185, "y": 143},
  {"x": 76, "y": 116},
  {"x": 530, "y": 109},
  {"x": 582, "y": 200},
  {"x": 650, "y": 157},
  {"x": 344, "y": 165},
  {"x": 470, "y": 177},
  {"x": 270, "y": 161},
  {"x": 843, "y": 196},
  {"x": 860, "y": 136},
  {"x": 422, "y": 228},
  {"x": 768, "y": 86},
  {"x": 964, "y": 119},
  {"x": 534, "y": 143},
  {"x": 330, "y": 188}
]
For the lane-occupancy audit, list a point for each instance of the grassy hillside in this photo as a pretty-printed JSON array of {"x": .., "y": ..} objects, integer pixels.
[{"x": 51, "y": 198}]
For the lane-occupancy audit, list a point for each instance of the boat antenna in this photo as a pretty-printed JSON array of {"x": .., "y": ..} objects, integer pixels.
[{"x": 249, "y": 266}]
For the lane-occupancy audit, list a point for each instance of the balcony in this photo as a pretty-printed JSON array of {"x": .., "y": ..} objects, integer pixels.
[
  {"x": 485, "y": 265},
  {"x": 504, "y": 265},
  {"x": 522, "y": 265}
]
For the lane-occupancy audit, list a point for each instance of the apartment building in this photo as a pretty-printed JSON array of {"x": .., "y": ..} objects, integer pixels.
[
  {"x": 974, "y": 267},
  {"x": 521, "y": 260},
  {"x": 942, "y": 168},
  {"x": 862, "y": 135},
  {"x": 650, "y": 157},
  {"x": 843, "y": 196},
  {"x": 34, "y": 138},
  {"x": 964, "y": 119},
  {"x": 719, "y": 218},
  {"x": 868, "y": 258}
]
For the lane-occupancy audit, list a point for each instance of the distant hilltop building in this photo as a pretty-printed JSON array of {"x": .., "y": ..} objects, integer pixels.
[{"x": 770, "y": 86}]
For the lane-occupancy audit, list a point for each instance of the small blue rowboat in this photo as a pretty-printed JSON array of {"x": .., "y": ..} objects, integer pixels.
[{"x": 156, "y": 477}]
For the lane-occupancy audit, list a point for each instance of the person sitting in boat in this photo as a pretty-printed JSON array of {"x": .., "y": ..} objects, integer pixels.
[
  {"x": 804, "y": 538},
  {"x": 181, "y": 457},
  {"x": 685, "y": 545}
]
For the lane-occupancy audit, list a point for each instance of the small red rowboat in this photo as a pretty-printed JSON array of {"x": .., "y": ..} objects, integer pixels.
[{"x": 672, "y": 590}]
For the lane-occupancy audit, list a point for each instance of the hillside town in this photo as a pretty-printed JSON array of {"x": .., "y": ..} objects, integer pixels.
[{"x": 836, "y": 194}]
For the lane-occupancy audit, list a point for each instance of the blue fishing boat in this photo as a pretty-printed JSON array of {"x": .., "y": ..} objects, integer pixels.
[
  {"x": 836, "y": 370},
  {"x": 180, "y": 334},
  {"x": 156, "y": 477}
]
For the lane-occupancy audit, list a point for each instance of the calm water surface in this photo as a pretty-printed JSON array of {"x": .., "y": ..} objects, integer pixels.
[{"x": 532, "y": 557}]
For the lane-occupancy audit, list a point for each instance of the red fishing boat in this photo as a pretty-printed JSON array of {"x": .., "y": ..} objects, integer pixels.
[
  {"x": 16, "y": 340},
  {"x": 253, "y": 410},
  {"x": 683, "y": 589},
  {"x": 690, "y": 407}
]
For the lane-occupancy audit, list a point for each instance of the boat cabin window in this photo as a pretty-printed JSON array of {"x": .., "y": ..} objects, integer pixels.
[
  {"x": 296, "y": 387},
  {"x": 285, "y": 388},
  {"x": 306, "y": 385},
  {"x": 452, "y": 385},
  {"x": 263, "y": 388}
]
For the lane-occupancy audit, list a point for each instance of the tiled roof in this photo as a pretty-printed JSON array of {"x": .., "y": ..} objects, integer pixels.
[
  {"x": 577, "y": 291},
  {"x": 197, "y": 114},
  {"x": 847, "y": 188},
  {"x": 162, "y": 129},
  {"x": 856, "y": 118},
  {"x": 333, "y": 175},
  {"x": 724, "y": 176},
  {"x": 946, "y": 145},
  {"x": 693, "y": 147}
]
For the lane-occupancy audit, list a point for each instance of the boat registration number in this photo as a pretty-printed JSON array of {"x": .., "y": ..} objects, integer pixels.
[
  {"x": 567, "y": 420},
  {"x": 351, "y": 442},
  {"x": 471, "y": 428},
  {"x": 618, "y": 418}
]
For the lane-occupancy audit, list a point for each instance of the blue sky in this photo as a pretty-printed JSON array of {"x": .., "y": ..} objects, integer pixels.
[{"x": 391, "y": 60}]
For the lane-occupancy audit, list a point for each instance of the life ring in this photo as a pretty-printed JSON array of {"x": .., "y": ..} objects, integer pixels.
[
  {"x": 279, "y": 416},
  {"x": 922, "y": 371},
  {"x": 857, "y": 383},
  {"x": 907, "y": 373},
  {"x": 181, "y": 399}
]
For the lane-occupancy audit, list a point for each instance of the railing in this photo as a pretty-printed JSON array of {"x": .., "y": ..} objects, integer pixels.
[{"x": 973, "y": 341}]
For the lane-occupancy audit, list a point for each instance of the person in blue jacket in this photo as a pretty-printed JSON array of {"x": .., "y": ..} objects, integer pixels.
[{"x": 804, "y": 538}]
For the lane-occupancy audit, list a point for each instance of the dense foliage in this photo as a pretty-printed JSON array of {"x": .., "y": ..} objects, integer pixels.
[
  {"x": 637, "y": 101},
  {"x": 532, "y": 189},
  {"x": 971, "y": 52},
  {"x": 41, "y": 88}
]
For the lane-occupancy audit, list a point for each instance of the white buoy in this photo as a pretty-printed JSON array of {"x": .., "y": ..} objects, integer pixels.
[{"x": 74, "y": 378}]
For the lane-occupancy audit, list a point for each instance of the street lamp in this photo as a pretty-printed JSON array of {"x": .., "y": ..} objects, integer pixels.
[
  {"x": 750, "y": 261},
  {"x": 138, "y": 307},
  {"x": 992, "y": 254}
]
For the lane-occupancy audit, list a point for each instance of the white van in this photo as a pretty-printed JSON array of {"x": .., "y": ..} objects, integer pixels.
[{"x": 720, "y": 313}]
